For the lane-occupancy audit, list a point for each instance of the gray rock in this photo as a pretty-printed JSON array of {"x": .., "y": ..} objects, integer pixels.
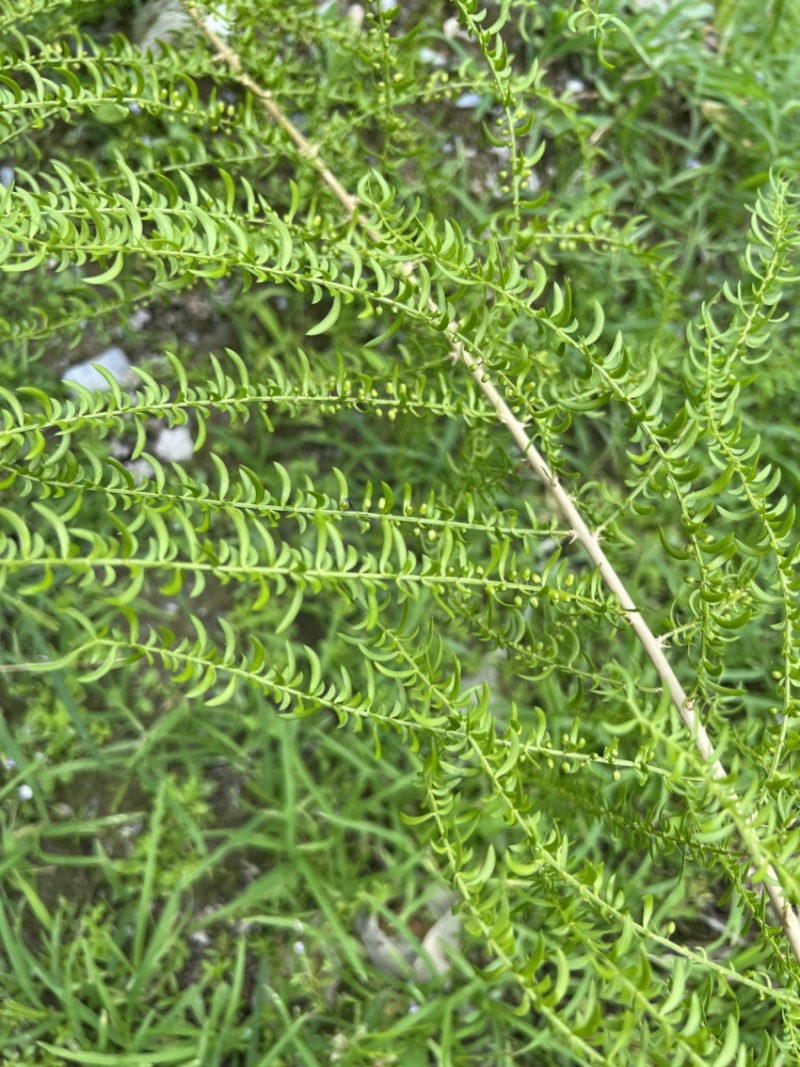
[
  {"x": 113, "y": 359},
  {"x": 355, "y": 13},
  {"x": 452, "y": 29},
  {"x": 445, "y": 933},
  {"x": 389, "y": 954},
  {"x": 435, "y": 59},
  {"x": 174, "y": 444},
  {"x": 140, "y": 469},
  {"x": 160, "y": 20},
  {"x": 166, "y": 20}
]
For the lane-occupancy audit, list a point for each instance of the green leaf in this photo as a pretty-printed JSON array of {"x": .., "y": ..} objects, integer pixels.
[
  {"x": 107, "y": 275},
  {"x": 329, "y": 320}
]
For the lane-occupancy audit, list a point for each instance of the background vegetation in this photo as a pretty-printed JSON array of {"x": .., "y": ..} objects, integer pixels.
[{"x": 269, "y": 713}]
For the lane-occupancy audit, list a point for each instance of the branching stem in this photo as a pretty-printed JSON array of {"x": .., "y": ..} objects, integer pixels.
[{"x": 582, "y": 533}]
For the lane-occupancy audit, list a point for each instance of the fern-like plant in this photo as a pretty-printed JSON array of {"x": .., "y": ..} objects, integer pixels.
[{"x": 485, "y": 490}]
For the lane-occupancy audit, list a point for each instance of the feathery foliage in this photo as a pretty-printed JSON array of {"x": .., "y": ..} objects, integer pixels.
[{"x": 351, "y": 652}]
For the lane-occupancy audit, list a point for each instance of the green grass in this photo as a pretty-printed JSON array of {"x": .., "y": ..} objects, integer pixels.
[{"x": 186, "y": 883}]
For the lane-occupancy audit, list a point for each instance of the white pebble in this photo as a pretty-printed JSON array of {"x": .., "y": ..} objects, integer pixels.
[
  {"x": 24, "y": 792},
  {"x": 174, "y": 445},
  {"x": 113, "y": 359},
  {"x": 574, "y": 85},
  {"x": 219, "y": 22},
  {"x": 139, "y": 318},
  {"x": 445, "y": 933},
  {"x": 468, "y": 100},
  {"x": 435, "y": 59},
  {"x": 355, "y": 14},
  {"x": 140, "y": 469},
  {"x": 452, "y": 29},
  {"x": 299, "y": 948},
  {"x": 160, "y": 20},
  {"x": 6, "y": 176}
]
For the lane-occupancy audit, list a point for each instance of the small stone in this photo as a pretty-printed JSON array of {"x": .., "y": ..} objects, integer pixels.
[
  {"x": 113, "y": 359},
  {"x": 6, "y": 176},
  {"x": 139, "y": 318},
  {"x": 574, "y": 85},
  {"x": 119, "y": 450},
  {"x": 174, "y": 445},
  {"x": 140, "y": 469},
  {"x": 452, "y": 29},
  {"x": 219, "y": 22},
  {"x": 388, "y": 954},
  {"x": 355, "y": 14},
  {"x": 160, "y": 21},
  {"x": 163, "y": 21},
  {"x": 534, "y": 183},
  {"x": 445, "y": 933},
  {"x": 435, "y": 59},
  {"x": 468, "y": 101},
  {"x": 24, "y": 792}
]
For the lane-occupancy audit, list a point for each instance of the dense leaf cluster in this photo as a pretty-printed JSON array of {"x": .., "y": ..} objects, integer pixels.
[{"x": 357, "y": 544}]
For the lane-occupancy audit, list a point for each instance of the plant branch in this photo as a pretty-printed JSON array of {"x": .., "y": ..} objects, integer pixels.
[{"x": 581, "y": 532}]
